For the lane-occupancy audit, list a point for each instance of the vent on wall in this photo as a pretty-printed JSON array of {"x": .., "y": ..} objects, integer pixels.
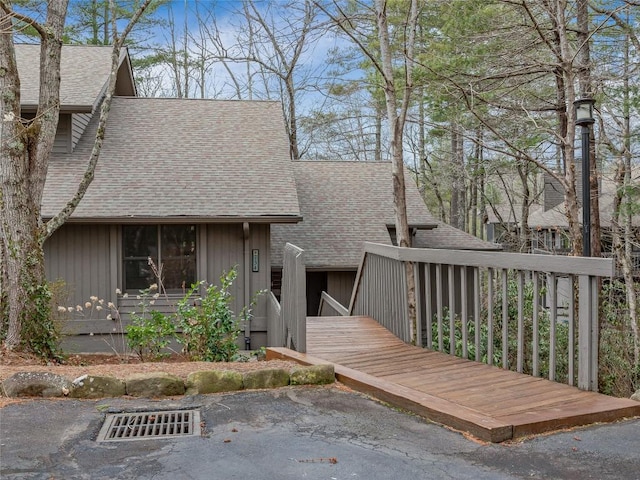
[{"x": 119, "y": 427}]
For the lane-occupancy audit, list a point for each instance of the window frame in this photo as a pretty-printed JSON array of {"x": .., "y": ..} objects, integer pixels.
[{"x": 158, "y": 258}]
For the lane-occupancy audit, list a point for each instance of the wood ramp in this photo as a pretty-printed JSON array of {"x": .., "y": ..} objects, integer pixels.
[{"x": 490, "y": 403}]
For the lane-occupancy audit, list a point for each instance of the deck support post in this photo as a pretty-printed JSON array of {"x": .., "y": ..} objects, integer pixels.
[{"x": 588, "y": 333}]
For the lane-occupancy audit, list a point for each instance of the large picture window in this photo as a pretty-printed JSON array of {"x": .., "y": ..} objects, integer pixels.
[{"x": 171, "y": 247}]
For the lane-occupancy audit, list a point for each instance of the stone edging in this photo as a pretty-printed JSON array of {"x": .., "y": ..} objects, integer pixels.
[{"x": 160, "y": 384}]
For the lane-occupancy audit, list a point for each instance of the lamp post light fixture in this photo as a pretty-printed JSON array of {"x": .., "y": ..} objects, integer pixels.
[{"x": 584, "y": 118}]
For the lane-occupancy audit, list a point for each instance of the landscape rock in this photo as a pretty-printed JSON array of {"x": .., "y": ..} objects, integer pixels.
[
  {"x": 214, "y": 381},
  {"x": 636, "y": 396},
  {"x": 95, "y": 386},
  {"x": 36, "y": 384},
  {"x": 268, "y": 378},
  {"x": 157, "y": 384},
  {"x": 313, "y": 375}
]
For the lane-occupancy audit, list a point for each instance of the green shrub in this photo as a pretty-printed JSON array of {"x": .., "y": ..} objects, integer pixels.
[
  {"x": 617, "y": 374},
  {"x": 209, "y": 327},
  {"x": 150, "y": 331},
  {"x": 544, "y": 329}
]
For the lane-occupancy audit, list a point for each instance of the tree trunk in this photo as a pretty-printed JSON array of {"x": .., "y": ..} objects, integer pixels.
[
  {"x": 25, "y": 148},
  {"x": 525, "y": 234},
  {"x": 565, "y": 80},
  {"x": 458, "y": 200},
  {"x": 378, "y": 136},
  {"x": 473, "y": 204},
  {"x": 622, "y": 221},
  {"x": 396, "y": 118},
  {"x": 24, "y": 153}
]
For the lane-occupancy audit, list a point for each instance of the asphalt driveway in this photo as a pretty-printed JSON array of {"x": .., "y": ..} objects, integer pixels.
[{"x": 294, "y": 433}]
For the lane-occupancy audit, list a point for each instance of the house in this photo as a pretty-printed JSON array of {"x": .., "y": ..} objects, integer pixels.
[
  {"x": 547, "y": 220},
  {"x": 344, "y": 204},
  {"x": 200, "y": 186},
  {"x": 192, "y": 184}
]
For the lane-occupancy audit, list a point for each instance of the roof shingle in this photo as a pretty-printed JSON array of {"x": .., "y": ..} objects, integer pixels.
[
  {"x": 168, "y": 158},
  {"x": 80, "y": 88},
  {"x": 344, "y": 204}
]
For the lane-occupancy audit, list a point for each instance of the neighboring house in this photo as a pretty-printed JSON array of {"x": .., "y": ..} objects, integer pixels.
[
  {"x": 193, "y": 184},
  {"x": 344, "y": 204},
  {"x": 502, "y": 223},
  {"x": 548, "y": 224}
]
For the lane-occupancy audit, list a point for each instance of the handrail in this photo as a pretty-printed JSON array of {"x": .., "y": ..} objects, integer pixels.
[
  {"x": 275, "y": 326},
  {"x": 325, "y": 298},
  {"x": 485, "y": 305},
  {"x": 601, "y": 267}
]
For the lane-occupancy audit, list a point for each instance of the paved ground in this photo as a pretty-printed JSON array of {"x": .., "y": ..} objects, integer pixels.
[{"x": 293, "y": 433}]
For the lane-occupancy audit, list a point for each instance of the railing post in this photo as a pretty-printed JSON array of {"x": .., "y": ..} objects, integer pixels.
[
  {"x": 588, "y": 333},
  {"x": 418, "y": 274},
  {"x": 294, "y": 302},
  {"x": 301, "y": 304}
]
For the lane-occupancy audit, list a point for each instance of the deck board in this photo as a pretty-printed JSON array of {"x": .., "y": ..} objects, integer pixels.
[{"x": 490, "y": 403}]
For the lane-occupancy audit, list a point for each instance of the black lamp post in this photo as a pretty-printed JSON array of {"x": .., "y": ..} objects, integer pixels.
[{"x": 584, "y": 118}]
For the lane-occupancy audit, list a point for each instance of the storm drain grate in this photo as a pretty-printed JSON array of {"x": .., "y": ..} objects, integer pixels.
[{"x": 119, "y": 427}]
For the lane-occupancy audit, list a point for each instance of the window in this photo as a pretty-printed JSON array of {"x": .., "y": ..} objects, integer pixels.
[{"x": 171, "y": 247}]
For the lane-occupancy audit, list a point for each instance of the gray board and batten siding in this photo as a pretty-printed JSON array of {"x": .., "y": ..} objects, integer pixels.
[{"x": 88, "y": 258}]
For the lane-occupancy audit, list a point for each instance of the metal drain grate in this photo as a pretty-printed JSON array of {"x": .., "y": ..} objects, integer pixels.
[{"x": 119, "y": 427}]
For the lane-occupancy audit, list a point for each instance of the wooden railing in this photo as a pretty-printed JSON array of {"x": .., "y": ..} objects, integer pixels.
[
  {"x": 276, "y": 334},
  {"x": 293, "y": 300},
  {"x": 635, "y": 259},
  {"x": 330, "y": 306},
  {"x": 535, "y": 314}
]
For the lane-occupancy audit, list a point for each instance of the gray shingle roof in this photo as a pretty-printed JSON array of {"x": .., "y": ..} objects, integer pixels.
[
  {"x": 344, "y": 204},
  {"x": 80, "y": 88},
  {"x": 448, "y": 237},
  {"x": 169, "y": 158}
]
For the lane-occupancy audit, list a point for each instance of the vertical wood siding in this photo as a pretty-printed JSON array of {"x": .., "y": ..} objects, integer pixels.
[
  {"x": 340, "y": 286},
  {"x": 223, "y": 251},
  {"x": 79, "y": 122},
  {"x": 88, "y": 259},
  {"x": 79, "y": 255},
  {"x": 259, "y": 239},
  {"x": 62, "y": 142}
]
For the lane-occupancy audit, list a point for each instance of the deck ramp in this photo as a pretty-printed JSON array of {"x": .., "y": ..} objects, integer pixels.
[{"x": 488, "y": 402}]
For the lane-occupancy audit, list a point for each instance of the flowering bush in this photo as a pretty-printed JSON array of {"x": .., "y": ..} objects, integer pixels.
[{"x": 96, "y": 307}]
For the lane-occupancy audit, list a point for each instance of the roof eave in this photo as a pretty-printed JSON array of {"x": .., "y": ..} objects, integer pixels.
[
  {"x": 185, "y": 219},
  {"x": 417, "y": 226},
  {"x": 64, "y": 108}
]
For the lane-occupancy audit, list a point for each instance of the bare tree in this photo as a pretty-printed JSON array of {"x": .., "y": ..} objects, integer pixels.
[
  {"x": 25, "y": 149},
  {"x": 276, "y": 43},
  {"x": 625, "y": 199},
  {"x": 397, "y": 106}
]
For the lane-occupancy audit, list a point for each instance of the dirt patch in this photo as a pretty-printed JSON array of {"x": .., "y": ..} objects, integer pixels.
[{"x": 121, "y": 367}]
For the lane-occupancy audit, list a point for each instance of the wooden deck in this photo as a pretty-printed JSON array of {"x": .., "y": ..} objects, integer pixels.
[{"x": 488, "y": 402}]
